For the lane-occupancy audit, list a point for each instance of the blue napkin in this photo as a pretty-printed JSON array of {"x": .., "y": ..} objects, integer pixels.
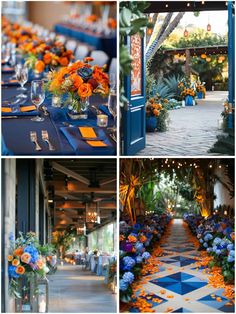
[{"x": 80, "y": 146}]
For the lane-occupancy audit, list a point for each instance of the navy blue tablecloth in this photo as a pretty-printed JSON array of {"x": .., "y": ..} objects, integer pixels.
[
  {"x": 99, "y": 41},
  {"x": 16, "y": 131}
]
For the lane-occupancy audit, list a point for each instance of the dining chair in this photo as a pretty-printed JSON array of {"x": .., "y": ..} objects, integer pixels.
[
  {"x": 81, "y": 52},
  {"x": 61, "y": 38},
  {"x": 99, "y": 57},
  {"x": 71, "y": 45},
  {"x": 113, "y": 66}
]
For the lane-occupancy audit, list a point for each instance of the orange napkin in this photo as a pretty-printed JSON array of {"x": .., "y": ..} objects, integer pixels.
[
  {"x": 87, "y": 132},
  {"x": 27, "y": 108},
  {"x": 6, "y": 109},
  {"x": 96, "y": 143},
  {"x": 10, "y": 81}
]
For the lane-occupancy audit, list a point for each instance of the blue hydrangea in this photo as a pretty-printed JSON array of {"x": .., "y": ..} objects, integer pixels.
[
  {"x": 230, "y": 246},
  {"x": 209, "y": 249},
  {"x": 146, "y": 255},
  {"x": 123, "y": 285},
  {"x": 33, "y": 252},
  {"x": 208, "y": 237},
  {"x": 201, "y": 241},
  {"x": 139, "y": 246},
  {"x": 128, "y": 261},
  {"x": 12, "y": 272},
  {"x": 217, "y": 241},
  {"x": 139, "y": 259},
  {"x": 218, "y": 251},
  {"x": 128, "y": 277},
  {"x": 232, "y": 253},
  {"x": 205, "y": 244}
]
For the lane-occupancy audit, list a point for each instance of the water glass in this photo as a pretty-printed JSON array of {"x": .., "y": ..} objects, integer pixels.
[
  {"x": 22, "y": 78},
  {"x": 37, "y": 97}
]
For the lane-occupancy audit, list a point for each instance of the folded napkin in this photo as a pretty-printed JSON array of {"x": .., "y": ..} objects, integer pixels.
[
  {"x": 7, "y": 70},
  {"x": 99, "y": 145},
  {"x": 9, "y": 83},
  {"x": 87, "y": 132},
  {"x": 24, "y": 110}
]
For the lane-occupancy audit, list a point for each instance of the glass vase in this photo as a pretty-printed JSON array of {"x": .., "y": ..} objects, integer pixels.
[{"x": 78, "y": 109}]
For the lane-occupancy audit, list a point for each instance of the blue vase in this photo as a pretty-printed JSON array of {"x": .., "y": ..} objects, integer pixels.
[
  {"x": 200, "y": 95},
  {"x": 188, "y": 100},
  {"x": 151, "y": 124}
]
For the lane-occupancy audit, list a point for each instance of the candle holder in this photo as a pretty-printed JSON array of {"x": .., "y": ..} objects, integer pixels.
[
  {"x": 56, "y": 101},
  {"x": 102, "y": 120},
  {"x": 43, "y": 295}
]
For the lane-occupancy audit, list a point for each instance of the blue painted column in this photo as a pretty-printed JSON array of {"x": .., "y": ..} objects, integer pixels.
[{"x": 231, "y": 64}]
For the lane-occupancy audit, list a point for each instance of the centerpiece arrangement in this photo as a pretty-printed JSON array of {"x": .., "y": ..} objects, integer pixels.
[
  {"x": 186, "y": 91},
  {"x": 156, "y": 114},
  {"x": 201, "y": 90},
  {"x": 77, "y": 82}
]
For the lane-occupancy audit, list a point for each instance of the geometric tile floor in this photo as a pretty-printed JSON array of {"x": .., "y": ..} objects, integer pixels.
[{"x": 186, "y": 286}]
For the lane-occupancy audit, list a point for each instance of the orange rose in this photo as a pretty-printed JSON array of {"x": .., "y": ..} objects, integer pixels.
[
  {"x": 10, "y": 258},
  {"x": 156, "y": 112},
  {"x": 122, "y": 237},
  {"x": 39, "y": 66},
  {"x": 15, "y": 262},
  {"x": 47, "y": 58},
  {"x": 77, "y": 80},
  {"x": 20, "y": 270},
  {"x": 63, "y": 61},
  {"x": 40, "y": 264},
  {"x": 25, "y": 258},
  {"x": 18, "y": 252},
  {"x": 132, "y": 238},
  {"x": 85, "y": 90},
  {"x": 143, "y": 239},
  {"x": 88, "y": 59}
]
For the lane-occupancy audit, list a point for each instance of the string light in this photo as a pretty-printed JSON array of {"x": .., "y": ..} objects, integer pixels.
[
  {"x": 188, "y": 4},
  {"x": 220, "y": 166}
]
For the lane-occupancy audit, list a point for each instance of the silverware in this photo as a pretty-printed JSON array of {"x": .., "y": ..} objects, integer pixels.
[
  {"x": 33, "y": 138},
  {"x": 10, "y": 117},
  {"x": 45, "y": 138},
  {"x": 113, "y": 137},
  {"x": 68, "y": 124},
  {"x": 97, "y": 110},
  {"x": 45, "y": 110}
]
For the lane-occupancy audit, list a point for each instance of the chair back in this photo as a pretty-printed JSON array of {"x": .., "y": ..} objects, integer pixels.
[{"x": 99, "y": 57}]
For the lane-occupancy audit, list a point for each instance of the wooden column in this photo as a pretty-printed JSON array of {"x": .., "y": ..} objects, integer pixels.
[{"x": 187, "y": 63}]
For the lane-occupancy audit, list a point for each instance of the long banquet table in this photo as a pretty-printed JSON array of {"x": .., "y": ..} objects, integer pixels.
[
  {"x": 16, "y": 129},
  {"x": 103, "y": 42}
]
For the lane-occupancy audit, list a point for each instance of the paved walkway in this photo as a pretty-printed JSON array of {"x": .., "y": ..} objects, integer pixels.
[
  {"x": 73, "y": 290},
  {"x": 179, "y": 286},
  {"x": 192, "y": 130}
]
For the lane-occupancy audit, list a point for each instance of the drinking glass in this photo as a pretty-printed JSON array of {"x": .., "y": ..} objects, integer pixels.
[
  {"x": 22, "y": 78},
  {"x": 112, "y": 79},
  {"x": 5, "y": 53},
  {"x": 37, "y": 97},
  {"x": 112, "y": 107}
]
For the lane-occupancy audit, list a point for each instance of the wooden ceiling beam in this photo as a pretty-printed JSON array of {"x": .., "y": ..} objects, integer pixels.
[
  {"x": 69, "y": 173},
  {"x": 107, "y": 181},
  {"x": 80, "y": 205}
]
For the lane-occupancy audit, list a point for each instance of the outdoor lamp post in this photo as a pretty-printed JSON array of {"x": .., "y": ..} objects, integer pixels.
[{"x": 43, "y": 295}]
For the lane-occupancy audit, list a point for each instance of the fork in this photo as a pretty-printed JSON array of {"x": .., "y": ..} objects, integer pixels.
[
  {"x": 33, "y": 138},
  {"x": 45, "y": 138}
]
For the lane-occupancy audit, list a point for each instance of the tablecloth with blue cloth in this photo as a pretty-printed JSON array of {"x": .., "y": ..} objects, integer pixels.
[
  {"x": 103, "y": 42},
  {"x": 16, "y": 131}
]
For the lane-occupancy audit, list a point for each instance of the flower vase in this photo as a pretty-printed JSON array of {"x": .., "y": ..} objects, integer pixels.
[
  {"x": 151, "y": 124},
  {"x": 56, "y": 101},
  {"x": 189, "y": 100},
  {"x": 78, "y": 109},
  {"x": 28, "y": 301}
]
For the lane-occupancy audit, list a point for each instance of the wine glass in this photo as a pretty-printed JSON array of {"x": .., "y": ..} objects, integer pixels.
[
  {"x": 5, "y": 53},
  {"x": 22, "y": 78},
  {"x": 112, "y": 107},
  {"x": 37, "y": 96},
  {"x": 112, "y": 79}
]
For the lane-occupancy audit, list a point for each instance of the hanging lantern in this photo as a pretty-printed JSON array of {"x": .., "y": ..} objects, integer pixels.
[
  {"x": 208, "y": 27},
  {"x": 149, "y": 31},
  {"x": 91, "y": 214},
  {"x": 185, "y": 33},
  {"x": 208, "y": 59},
  {"x": 203, "y": 56}
]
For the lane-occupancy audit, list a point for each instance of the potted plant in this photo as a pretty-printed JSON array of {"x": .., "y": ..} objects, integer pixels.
[
  {"x": 187, "y": 93},
  {"x": 201, "y": 90},
  {"x": 152, "y": 112}
]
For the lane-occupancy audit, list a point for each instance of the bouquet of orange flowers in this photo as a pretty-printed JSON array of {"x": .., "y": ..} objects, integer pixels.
[
  {"x": 185, "y": 89},
  {"x": 153, "y": 108},
  {"x": 201, "y": 88},
  {"x": 79, "y": 81},
  {"x": 46, "y": 55}
]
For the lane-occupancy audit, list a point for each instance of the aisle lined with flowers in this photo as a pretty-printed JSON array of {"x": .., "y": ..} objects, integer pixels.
[
  {"x": 74, "y": 290},
  {"x": 179, "y": 283}
]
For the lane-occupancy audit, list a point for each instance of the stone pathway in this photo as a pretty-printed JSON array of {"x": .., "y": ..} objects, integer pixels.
[
  {"x": 73, "y": 290},
  {"x": 192, "y": 130},
  {"x": 181, "y": 286}
]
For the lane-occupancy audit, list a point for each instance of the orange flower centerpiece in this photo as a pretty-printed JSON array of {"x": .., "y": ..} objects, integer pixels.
[
  {"x": 186, "y": 91},
  {"x": 77, "y": 83},
  {"x": 153, "y": 109}
]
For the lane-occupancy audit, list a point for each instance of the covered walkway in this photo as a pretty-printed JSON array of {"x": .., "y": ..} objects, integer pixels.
[{"x": 73, "y": 290}]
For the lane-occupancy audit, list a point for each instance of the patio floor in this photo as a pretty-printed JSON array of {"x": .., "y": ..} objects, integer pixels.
[{"x": 192, "y": 130}]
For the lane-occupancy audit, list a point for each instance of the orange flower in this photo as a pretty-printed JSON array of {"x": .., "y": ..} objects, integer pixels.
[
  {"x": 15, "y": 262},
  {"x": 77, "y": 80},
  {"x": 232, "y": 235},
  {"x": 143, "y": 239},
  {"x": 156, "y": 112},
  {"x": 40, "y": 264},
  {"x": 63, "y": 61},
  {"x": 18, "y": 252},
  {"x": 39, "y": 66},
  {"x": 10, "y": 258},
  {"x": 25, "y": 258},
  {"x": 132, "y": 238},
  {"x": 122, "y": 237},
  {"x": 47, "y": 58},
  {"x": 85, "y": 90},
  {"x": 88, "y": 59},
  {"x": 20, "y": 270}
]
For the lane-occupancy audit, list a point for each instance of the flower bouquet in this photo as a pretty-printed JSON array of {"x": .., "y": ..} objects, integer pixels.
[
  {"x": 186, "y": 92},
  {"x": 77, "y": 83},
  {"x": 201, "y": 90},
  {"x": 43, "y": 56},
  {"x": 25, "y": 261},
  {"x": 153, "y": 110}
]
